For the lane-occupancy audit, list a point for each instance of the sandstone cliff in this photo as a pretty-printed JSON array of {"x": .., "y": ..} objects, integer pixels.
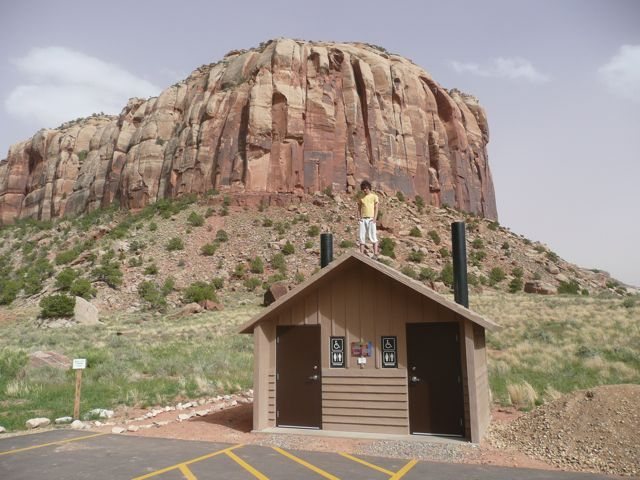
[{"x": 288, "y": 117}]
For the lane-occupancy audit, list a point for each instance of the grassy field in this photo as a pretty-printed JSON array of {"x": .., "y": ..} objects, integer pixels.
[
  {"x": 548, "y": 345},
  {"x": 135, "y": 360}
]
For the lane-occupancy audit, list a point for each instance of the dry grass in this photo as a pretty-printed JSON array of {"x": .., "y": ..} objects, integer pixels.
[{"x": 522, "y": 395}]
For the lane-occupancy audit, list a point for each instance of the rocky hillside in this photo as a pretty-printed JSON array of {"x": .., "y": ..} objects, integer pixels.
[
  {"x": 288, "y": 117},
  {"x": 150, "y": 259}
]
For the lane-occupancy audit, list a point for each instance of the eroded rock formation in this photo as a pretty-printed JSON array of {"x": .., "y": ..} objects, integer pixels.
[{"x": 287, "y": 117}]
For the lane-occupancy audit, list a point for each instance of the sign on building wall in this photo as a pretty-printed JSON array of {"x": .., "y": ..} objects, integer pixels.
[
  {"x": 336, "y": 346},
  {"x": 389, "y": 352},
  {"x": 361, "y": 349}
]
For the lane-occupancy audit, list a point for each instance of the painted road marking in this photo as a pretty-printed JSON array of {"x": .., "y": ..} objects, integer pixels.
[
  {"x": 16, "y": 450},
  {"x": 400, "y": 473},
  {"x": 306, "y": 464},
  {"x": 246, "y": 466},
  {"x": 188, "y": 474},
  {"x": 367, "y": 464},
  {"x": 188, "y": 462}
]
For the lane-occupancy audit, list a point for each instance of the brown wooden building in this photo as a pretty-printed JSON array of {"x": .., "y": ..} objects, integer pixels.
[{"x": 360, "y": 347}]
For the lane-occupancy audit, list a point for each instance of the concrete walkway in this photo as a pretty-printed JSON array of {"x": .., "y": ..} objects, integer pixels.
[{"x": 70, "y": 455}]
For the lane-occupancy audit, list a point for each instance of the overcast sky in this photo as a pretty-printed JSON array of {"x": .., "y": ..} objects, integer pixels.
[{"x": 560, "y": 81}]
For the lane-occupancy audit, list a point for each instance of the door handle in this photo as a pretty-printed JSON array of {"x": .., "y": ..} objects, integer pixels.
[
  {"x": 314, "y": 377},
  {"x": 414, "y": 379}
]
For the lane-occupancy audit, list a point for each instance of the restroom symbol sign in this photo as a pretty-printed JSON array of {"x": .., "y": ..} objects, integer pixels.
[
  {"x": 389, "y": 352},
  {"x": 337, "y": 357}
]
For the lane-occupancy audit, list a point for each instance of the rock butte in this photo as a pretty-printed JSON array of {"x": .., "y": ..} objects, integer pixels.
[{"x": 289, "y": 117}]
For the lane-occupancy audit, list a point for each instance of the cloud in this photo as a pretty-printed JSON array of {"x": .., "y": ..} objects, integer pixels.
[
  {"x": 61, "y": 84},
  {"x": 621, "y": 74},
  {"x": 515, "y": 68}
]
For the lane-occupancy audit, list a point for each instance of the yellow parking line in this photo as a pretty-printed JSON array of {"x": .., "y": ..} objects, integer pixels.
[
  {"x": 188, "y": 474},
  {"x": 367, "y": 464},
  {"x": 246, "y": 466},
  {"x": 306, "y": 464},
  {"x": 400, "y": 473},
  {"x": 188, "y": 462},
  {"x": 50, "y": 443}
]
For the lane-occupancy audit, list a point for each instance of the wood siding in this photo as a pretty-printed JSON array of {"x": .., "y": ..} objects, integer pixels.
[{"x": 363, "y": 305}]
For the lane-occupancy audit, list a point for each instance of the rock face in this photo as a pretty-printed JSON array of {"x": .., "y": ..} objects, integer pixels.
[{"x": 289, "y": 117}]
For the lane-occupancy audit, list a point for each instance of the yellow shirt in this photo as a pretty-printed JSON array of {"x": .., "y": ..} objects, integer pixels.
[{"x": 368, "y": 204}]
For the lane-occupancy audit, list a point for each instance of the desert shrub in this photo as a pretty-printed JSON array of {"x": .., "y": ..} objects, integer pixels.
[
  {"x": 496, "y": 275},
  {"x": 415, "y": 232},
  {"x": 314, "y": 231},
  {"x": 199, "y": 291},
  {"x": 222, "y": 236},
  {"x": 210, "y": 211},
  {"x": 298, "y": 278},
  {"x": 208, "y": 249},
  {"x": 308, "y": 244},
  {"x": 280, "y": 228},
  {"x": 477, "y": 243},
  {"x": 387, "y": 247},
  {"x": 444, "y": 252},
  {"x": 56, "y": 306},
  {"x": 415, "y": 256},
  {"x": 570, "y": 288},
  {"x": 434, "y": 236},
  {"x": 446, "y": 274},
  {"x": 427, "y": 274},
  {"x": 515, "y": 285},
  {"x": 226, "y": 201},
  {"x": 505, "y": 246},
  {"x": 108, "y": 271},
  {"x": 553, "y": 256},
  {"x": 347, "y": 244},
  {"x": 151, "y": 269},
  {"x": 136, "y": 246},
  {"x": 65, "y": 278},
  {"x": 288, "y": 248},
  {"x": 153, "y": 226},
  {"x": 135, "y": 262},
  {"x": 168, "y": 286},
  {"x": 240, "y": 270},
  {"x": 81, "y": 287},
  {"x": 267, "y": 222},
  {"x": 9, "y": 289},
  {"x": 409, "y": 272},
  {"x": 419, "y": 202},
  {"x": 152, "y": 295},
  {"x": 252, "y": 283},
  {"x": 476, "y": 257},
  {"x": 256, "y": 265},
  {"x": 67, "y": 256},
  {"x": 278, "y": 262},
  {"x": 522, "y": 395},
  {"x": 34, "y": 275},
  {"x": 493, "y": 226},
  {"x": 175, "y": 243},
  {"x": 195, "y": 220},
  {"x": 400, "y": 196},
  {"x": 517, "y": 272}
]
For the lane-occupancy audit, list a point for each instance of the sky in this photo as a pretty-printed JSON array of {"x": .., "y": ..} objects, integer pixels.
[{"x": 559, "y": 80}]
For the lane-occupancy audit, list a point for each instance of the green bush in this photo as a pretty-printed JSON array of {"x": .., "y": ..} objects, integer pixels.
[
  {"x": 67, "y": 256},
  {"x": 278, "y": 262},
  {"x": 387, "y": 247},
  {"x": 400, "y": 196},
  {"x": 9, "y": 289},
  {"x": 427, "y": 274},
  {"x": 476, "y": 257},
  {"x": 168, "y": 286},
  {"x": 288, "y": 248},
  {"x": 199, "y": 291},
  {"x": 153, "y": 226},
  {"x": 82, "y": 287},
  {"x": 517, "y": 272},
  {"x": 252, "y": 283},
  {"x": 477, "y": 244},
  {"x": 314, "y": 231},
  {"x": 415, "y": 232},
  {"x": 240, "y": 270},
  {"x": 505, "y": 246},
  {"x": 209, "y": 213},
  {"x": 446, "y": 274},
  {"x": 409, "y": 272},
  {"x": 56, "y": 306},
  {"x": 151, "y": 269},
  {"x": 109, "y": 272},
  {"x": 267, "y": 222},
  {"x": 65, "y": 278},
  {"x": 208, "y": 249},
  {"x": 175, "y": 243},
  {"x": 570, "y": 288},
  {"x": 256, "y": 265},
  {"x": 496, "y": 275},
  {"x": 152, "y": 295},
  {"x": 298, "y": 278},
  {"x": 415, "y": 256},
  {"x": 195, "y": 220},
  {"x": 222, "y": 236},
  {"x": 434, "y": 236},
  {"x": 493, "y": 226},
  {"x": 419, "y": 202},
  {"x": 347, "y": 244},
  {"x": 444, "y": 252},
  {"x": 515, "y": 285}
]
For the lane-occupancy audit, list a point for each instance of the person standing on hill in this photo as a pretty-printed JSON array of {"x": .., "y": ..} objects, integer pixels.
[{"x": 367, "y": 214}]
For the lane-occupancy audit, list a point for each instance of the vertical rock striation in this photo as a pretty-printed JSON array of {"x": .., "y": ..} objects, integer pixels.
[{"x": 288, "y": 117}]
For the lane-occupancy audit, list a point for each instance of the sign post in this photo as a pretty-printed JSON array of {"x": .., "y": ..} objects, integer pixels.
[{"x": 79, "y": 364}]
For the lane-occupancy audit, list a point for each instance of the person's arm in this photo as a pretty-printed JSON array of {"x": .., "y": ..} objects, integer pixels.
[
  {"x": 375, "y": 211},
  {"x": 359, "y": 209}
]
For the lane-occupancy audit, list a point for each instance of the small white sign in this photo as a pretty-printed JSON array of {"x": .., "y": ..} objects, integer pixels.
[
  {"x": 362, "y": 360},
  {"x": 79, "y": 363}
]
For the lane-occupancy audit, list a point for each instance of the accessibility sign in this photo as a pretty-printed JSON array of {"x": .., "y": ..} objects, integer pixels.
[
  {"x": 389, "y": 352},
  {"x": 336, "y": 346}
]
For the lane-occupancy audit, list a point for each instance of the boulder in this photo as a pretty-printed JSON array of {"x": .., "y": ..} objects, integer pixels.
[
  {"x": 37, "y": 422},
  {"x": 63, "y": 420},
  {"x": 2, "y": 429},
  {"x": 85, "y": 313},
  {"x": 539, "y": 287},
  {"x": 274, "y": 292},
  {"x": 78, "y": 425}
]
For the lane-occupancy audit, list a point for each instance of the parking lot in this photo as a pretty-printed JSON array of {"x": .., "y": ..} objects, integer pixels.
[{"x": 69, "y": 454}]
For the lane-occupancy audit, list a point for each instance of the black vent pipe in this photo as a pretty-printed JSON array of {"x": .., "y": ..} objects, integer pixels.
[
  {"x": 459, "y": 252},
  {"x": 326, "y": 249}
]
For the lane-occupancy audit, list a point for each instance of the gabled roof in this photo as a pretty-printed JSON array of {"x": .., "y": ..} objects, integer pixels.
[{"x": 344, "y": 263}]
